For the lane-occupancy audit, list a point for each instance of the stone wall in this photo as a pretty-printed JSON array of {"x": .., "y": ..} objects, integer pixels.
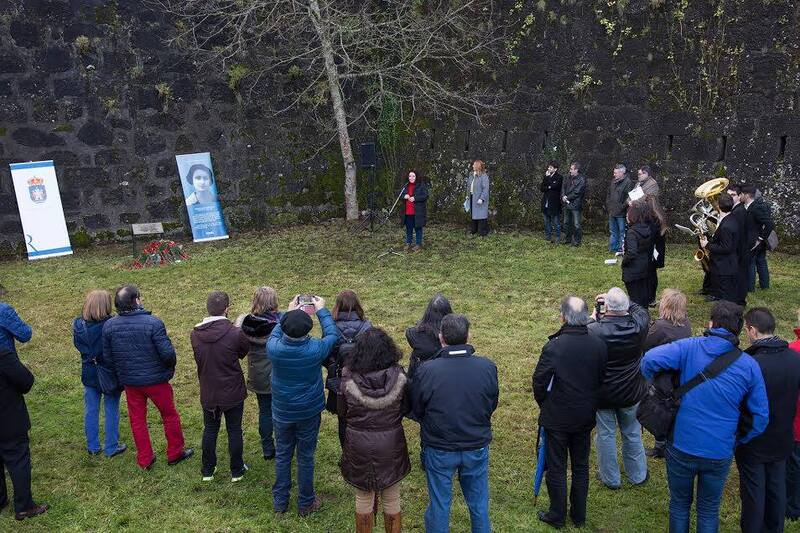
[{"x": 697, "y": 92}]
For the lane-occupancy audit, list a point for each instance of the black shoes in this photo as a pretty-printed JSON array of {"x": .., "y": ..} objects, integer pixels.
[
  {"x": 549, "y": 519},
  {"x": 33, "y": 511},
  {"x": 185, "y": 454}
]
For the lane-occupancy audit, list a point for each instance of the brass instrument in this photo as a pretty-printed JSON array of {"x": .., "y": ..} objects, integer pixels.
[{"x": 705, "y": 215}]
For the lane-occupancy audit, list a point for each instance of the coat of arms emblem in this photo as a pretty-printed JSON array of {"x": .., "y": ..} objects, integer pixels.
[{"x": 36, "y": 190}]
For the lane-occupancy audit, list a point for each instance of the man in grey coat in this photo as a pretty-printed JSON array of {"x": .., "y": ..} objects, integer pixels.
[
  {"x": 572, "y": 192},
  {"x": 478, "y": 199}
]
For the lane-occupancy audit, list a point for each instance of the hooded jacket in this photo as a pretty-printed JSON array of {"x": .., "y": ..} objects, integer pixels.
[
  {"x": 259, "y": 368},
  {"x": 567, "y": 379},
  {"x": 780, "y": 367},
  {"x": 374, "y": 454},
  {"x": 15, "y": 381},
  {"x": 709, "y": 413},
  {"x": 136, "y": 346},
  {"x": 453, "y": 397},
  {"x": 623, "y": 385},
  {"x": 297, "y": 390},
  {"x": 88, "y": 340},
  {"x": 12, "y": 327},
  {"x": 639, "y": 243},
  {"x": 218, "y": 345},
  {"x": 796, "y": 347}
]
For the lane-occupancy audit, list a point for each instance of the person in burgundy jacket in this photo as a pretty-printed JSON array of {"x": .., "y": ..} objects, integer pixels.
[
  {"x": 793, "y": 464},
  {"x": 415, "y": 209},
  {"x": 218, "y": 346}
]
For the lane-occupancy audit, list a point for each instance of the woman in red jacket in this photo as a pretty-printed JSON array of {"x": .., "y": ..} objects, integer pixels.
[
  {"x": 793, "y": 464},
  {"x": 415, "y": 196}
]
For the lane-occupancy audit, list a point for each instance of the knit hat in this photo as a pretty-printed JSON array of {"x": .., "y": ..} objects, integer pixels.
[{"x": 296, "y": 324}]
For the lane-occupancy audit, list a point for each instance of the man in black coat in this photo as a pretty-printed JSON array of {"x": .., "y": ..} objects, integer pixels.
[
  {"x": 15, "y": 454},
  {"x": 573, "y": 191},
  {"x": 762, "y": 461},
  {"x": 617, "y": 207},
  {"x": 724, "y": 258},
  {"x": 566, "y": 385},
  {"x": 623, "y": 327},
  {"x": 759, "y": 226},
  {"x": 551, "y": 201},
  {"x": 739, "y": 213}
]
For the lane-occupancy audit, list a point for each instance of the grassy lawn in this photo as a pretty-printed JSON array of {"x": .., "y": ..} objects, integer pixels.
[{"x": 508, "y": 284}]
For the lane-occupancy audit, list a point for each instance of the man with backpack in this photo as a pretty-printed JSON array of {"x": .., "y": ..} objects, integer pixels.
[{"x": 707, "y": 426}]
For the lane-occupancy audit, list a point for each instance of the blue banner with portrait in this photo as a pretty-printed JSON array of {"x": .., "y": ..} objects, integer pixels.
[{"x": 200, "y": 194}]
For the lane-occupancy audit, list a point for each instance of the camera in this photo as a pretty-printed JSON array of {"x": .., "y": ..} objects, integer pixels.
[
  {"x": 306, "y": 303},
  {"x": 600, "y": 307}
]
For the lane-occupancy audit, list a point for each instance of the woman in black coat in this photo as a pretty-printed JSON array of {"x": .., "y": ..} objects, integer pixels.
[
  {"x": 658, "y": 223},
  {"x": 348, "y": 315},
  {"x": 551, "y": 202},
  {"x": 415, "y": 209},
  {"x": 15, "y": 453},
  {"x": 638, "y": 254},
  {"x": 424, "y": 337}
]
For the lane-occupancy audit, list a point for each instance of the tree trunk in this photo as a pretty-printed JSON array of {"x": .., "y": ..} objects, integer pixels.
[{"x": 350, "y": 196}]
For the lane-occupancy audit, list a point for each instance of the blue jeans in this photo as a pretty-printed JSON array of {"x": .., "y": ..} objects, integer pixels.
[
  {"x": 288, "y": 436},
  {"x": 410, "y": 221},
  {"x": 682, "y": 469},
  {"x": 633, "y": 456},
  {"x": 473, "y": 475},
  {"x": 616, "y": 227},
  {"x": 91, "y": 420},
  {"x": 552, "y": 222},
  {"x": 758, "y": 262},
  {"x": 265, "y": 424},
  {"x": 572, "y": 225}
]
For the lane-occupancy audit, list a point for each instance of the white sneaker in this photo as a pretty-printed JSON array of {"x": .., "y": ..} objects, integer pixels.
[
  {"x": 617, "y": 254},
  {"x": 211, "y": 477},
  {"x": 239, "y": 478}
]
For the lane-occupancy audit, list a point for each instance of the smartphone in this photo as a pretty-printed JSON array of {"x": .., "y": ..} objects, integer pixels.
[{"x": 306, "y": 303}]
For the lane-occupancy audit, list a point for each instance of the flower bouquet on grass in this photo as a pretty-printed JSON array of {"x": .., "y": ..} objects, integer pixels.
[{"x": 159, "y": 252}]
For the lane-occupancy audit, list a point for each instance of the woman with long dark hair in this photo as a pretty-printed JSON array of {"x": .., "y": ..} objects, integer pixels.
[
  {"x": 348, "y": 315},
  {"x": 424, "y": 337},
  {"x": 415, "y": 209},
  {"x": 658, "y": 222},
  {"x": 372, "y": 400},
  {"x": 637, "y": 258}
]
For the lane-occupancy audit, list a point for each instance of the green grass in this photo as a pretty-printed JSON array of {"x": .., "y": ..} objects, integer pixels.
[{"x": 509, "y": 285}]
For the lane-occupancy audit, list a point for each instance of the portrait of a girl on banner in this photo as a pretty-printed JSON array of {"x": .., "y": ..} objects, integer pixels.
[{"x": 202, "y": 200}]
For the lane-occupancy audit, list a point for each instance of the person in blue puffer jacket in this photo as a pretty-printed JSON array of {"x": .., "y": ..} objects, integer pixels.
[
  {"x": 87, "y": 335},
  {"x": 12, "y": 327},
  {"x": 137, "y": 348},
  {"x": 707, "y": 427}
]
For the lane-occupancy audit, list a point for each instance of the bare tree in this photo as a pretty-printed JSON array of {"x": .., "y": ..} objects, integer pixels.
[{"x": 431, "y": 55}]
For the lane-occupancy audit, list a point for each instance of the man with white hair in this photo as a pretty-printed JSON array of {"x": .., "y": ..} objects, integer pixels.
[
  {"x": 566, "y": 384},
  {"x": 623, "y": 326}
]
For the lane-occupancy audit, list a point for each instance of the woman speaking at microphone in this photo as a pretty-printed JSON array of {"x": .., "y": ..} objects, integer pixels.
[{"x": 415, "y": 197}]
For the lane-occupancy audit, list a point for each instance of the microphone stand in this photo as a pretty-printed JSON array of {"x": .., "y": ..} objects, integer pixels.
[{"x": 391, "y": 250}]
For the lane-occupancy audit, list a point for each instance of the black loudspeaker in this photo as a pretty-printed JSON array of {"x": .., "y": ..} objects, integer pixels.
[{"x": 367, "y": 155}]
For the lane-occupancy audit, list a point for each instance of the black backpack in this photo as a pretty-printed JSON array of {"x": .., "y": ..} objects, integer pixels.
[{"x": 658, "y": 409}]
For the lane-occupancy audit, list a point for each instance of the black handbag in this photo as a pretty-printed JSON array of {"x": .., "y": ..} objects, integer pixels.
[
  {"x": 658, "y": 409},
  {"x": 107, "y": 378}
]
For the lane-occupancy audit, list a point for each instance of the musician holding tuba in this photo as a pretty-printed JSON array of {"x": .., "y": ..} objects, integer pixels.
[{"x": 723, "y": 256}]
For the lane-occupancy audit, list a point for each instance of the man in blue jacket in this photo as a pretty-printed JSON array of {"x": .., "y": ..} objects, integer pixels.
[
  {"x": 298, "y": 399},
  {"x": 136, "y": 346},
  {"x": 12, "y": 327},
  {"x": 453, "y": 397},
  {"x": 705, "y": 431}
]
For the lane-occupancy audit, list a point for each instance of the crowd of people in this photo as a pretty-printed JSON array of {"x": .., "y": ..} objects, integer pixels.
[{"x": 593, "y": 372}]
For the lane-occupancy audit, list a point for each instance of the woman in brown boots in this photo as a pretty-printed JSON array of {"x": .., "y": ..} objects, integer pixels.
[{"x": 372, "y": 398}]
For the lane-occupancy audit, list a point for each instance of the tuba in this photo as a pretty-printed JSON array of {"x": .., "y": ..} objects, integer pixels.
[{"x": 705, "y": 215}]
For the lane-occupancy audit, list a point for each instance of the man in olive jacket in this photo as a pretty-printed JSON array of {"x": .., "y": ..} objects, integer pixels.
[
  {"x": 218, "y": 346},
  {"x": 566, "y": 385},
  {"x": 15, "y": 454}
]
